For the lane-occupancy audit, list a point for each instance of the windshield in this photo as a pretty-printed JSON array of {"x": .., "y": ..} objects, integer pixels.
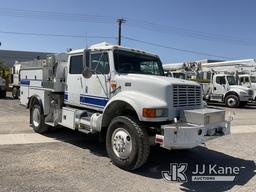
[
  {"x": 253, "y": 79},
  {"x": 231, "y": 80},
  {"x": 179, "y": 75},
  {"x": 130, "y": 62}
]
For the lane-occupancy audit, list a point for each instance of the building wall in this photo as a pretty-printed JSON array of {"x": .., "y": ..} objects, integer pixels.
[{"x": 9, "y": 57}]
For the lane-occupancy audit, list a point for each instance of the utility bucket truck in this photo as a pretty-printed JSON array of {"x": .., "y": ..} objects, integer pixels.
[
  {"x": 122, "y": 94},
  {"x": 218, "y": 85},
  {"x": 244, "y": 71}
]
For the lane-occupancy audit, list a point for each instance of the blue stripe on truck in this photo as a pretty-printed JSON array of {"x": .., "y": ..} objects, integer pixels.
[
  {"x": 65, "y": 96},
  {"x": 93, "y": 101},
  {"x": 25, "y": 82}
]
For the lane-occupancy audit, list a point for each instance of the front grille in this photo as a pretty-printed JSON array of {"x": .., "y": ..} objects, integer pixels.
[
  {"x": 186, "y": 95},
  {"x": 250, "y": 92}
]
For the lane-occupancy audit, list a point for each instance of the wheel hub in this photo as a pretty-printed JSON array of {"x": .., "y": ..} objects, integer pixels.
[
  {"x": 231, "y": 101},
  {"x": 121, "y": 143}
]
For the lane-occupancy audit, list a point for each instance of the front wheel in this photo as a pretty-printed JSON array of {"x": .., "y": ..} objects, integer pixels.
[
  {"x": 127, "y": 143},
  {"x": 37, "y": 119},
  {"x": 232, "y": 101}
]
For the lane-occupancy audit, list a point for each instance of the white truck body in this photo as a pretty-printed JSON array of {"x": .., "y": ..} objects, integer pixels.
[{"x": 126, "y": 85}]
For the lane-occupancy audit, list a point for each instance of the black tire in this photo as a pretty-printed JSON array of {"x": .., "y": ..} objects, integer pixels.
[
  {"x": 232, "y": 101},
  {"x": 15, "y": 93},
  {"x": 3, "y": 94},
  {"x": 139, "y": 141},
  {"x": 37, "y": 119}
]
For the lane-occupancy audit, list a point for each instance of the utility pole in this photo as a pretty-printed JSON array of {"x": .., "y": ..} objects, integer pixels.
[{"x": 120, "y": 21}]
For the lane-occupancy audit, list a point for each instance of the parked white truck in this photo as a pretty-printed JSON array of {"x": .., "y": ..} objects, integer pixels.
[
  {"x": 224, "y": 88},
  {"x": 218, "y": 86},
  {"x": 122, "y": 94},
  {"x": 15, "y": 74},
  {"x": 2, "y": 87}
]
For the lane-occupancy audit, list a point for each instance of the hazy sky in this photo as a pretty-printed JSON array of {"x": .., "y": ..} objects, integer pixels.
[{"x": 217, "y": 27}]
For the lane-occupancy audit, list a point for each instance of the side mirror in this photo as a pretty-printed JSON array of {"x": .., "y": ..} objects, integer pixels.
[{"x": 86, "y": 63}]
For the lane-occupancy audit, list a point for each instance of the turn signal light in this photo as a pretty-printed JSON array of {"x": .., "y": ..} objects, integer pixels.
[
  {"x": 148, "y": 112},
  {"x": 154, "y": 112},
  {"x": 113, "y": 85}
]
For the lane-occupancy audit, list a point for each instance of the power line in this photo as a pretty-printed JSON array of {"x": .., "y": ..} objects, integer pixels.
[
  {"x": 109, "y": 37},
  {"x": 55, "y": 35},
  {"x": 177, "y": 49},
  {"x": 47, "y": 15},
  {"x": 191, "y": 33},
  {"x": 145, "y": 25}
]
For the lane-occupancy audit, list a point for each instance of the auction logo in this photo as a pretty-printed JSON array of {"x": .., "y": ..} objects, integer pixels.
[{"x": 178, "y": 173}]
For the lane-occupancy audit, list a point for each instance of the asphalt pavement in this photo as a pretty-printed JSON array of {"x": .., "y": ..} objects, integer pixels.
[{"x": 65, "y": 160}]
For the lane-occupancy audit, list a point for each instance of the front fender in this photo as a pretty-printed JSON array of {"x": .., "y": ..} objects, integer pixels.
[{"x": 139, "y": 101}]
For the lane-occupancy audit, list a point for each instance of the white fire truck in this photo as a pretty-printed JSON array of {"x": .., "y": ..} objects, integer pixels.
[{"x": 122, "y": 94}]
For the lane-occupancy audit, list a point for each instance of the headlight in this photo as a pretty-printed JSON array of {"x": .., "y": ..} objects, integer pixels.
[
  {"x": 154, "y": 112},
  {"x": 243, "y": 93}
]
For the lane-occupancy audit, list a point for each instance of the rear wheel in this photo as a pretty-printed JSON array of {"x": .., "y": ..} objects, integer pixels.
[
  {"x": 15, "y": 93},
  {"x": 37, "y": 119},
  {"x": 232, "y": 101},
  {"x": 127, "y": 143},
  {"x": 4, "y": 94}
]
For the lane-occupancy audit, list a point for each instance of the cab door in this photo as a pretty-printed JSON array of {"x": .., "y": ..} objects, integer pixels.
[
  {"x": 96, "y": 93},
  {"x": 219, "y": 88},
  {"x": 74, "y": 84}
]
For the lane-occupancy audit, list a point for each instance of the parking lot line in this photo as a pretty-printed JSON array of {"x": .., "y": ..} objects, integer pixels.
[{"x": 28, "y": 138}]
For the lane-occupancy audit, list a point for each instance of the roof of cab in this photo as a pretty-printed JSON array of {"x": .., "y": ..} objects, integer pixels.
[{"x": 107, "y": 46}]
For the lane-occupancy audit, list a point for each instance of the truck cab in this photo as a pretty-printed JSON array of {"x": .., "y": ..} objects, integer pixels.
[
  {"x": 122, "y": 94},
  {"x": 249, "y": 81},
  {"x": 224, "y": 87}
]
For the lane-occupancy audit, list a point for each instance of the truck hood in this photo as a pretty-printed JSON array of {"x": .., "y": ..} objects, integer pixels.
[
  {"x": 155, "y": 86},
  {"x": 161, "y": 80},
  {"x": 243, "y": 88}
]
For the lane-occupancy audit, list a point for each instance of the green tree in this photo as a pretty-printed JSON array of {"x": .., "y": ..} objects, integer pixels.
[{"x": 4, "y": 70}]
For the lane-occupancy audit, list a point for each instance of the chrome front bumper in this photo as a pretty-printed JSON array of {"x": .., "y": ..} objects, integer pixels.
[{"x": 188, "y": 134}]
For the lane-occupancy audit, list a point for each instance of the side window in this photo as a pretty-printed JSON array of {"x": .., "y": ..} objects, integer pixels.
[
  {"x": 221, "y": 80},
  {"x": 246, "y": 80},
  {"x": 241, "y": 80},
  {"x": 76, "y": 64},
  {"x": 100, "y": 63}
]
